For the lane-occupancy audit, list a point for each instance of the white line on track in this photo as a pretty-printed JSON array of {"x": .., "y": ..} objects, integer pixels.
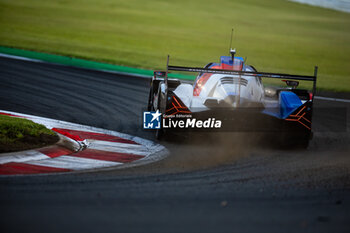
[
  {"x": 332, "y": 99},
  {"x": 118, "y": 147},
  {"x": 19, "y": 58},
  {"x": 73, "y": 163},
  {"x": 23, "y": 157},
  {"x": 102, "y": 70}
]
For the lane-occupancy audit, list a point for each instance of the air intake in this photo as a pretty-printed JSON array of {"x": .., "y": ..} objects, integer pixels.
[{"x": 234, "y": 80}]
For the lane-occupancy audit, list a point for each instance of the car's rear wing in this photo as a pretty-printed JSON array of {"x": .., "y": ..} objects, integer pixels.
[{"x": 248, "y": 73}]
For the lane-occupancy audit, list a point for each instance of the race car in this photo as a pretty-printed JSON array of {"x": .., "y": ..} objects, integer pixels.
[{"x": 233, "y": 92}]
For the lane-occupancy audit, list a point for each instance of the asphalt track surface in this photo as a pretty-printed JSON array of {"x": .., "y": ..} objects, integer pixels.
[{"x": 208, "y": 187}]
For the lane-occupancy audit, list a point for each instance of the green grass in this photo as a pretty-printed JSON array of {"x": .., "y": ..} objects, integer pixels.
[
  {"x": 275, "y": 35},
  {"x": 20, "y": 134}
]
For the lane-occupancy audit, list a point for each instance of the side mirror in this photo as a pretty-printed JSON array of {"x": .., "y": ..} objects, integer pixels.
[{"x": 290, "y": 83}]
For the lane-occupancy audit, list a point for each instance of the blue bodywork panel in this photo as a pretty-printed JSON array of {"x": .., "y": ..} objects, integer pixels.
[{"x": 288, "y": 103}]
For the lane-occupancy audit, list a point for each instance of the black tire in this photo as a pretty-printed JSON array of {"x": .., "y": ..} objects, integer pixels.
[
  {"x": 159, "y": 132},
  {"x": 150, "y": 99}
]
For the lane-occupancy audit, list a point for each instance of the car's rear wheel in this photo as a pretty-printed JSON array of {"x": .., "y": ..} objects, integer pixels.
[
  {"x": 150, "y": 99},
  {"x": 159, "y": 132}
]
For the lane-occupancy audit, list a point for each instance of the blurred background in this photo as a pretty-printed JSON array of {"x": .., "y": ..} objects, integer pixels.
[{"x": 274, "y": 35}]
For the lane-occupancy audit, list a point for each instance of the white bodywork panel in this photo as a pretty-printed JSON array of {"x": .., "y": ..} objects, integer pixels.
[{"x": 223, "y": 90}]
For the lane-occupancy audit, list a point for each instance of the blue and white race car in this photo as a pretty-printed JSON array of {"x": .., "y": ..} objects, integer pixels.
[{"x": 233, "y": 92}]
